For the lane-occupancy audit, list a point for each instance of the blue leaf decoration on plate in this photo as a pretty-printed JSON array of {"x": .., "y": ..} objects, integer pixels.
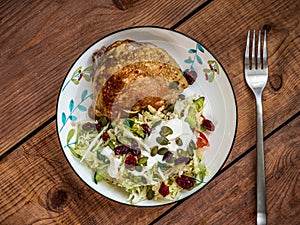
[
  {"x": 73, "y": 118},
  {"x": 200, "y": 48},
  {"x": 83, "y": 95},
  {"x": 71, "y": 105},
  {"x": 192, "y": 51},
  {"x": 82, "y": 108},
  {"x": 63, "y": 118},
  {"x": 189, "y": 61},
  {"x": 199, "y": 60}
]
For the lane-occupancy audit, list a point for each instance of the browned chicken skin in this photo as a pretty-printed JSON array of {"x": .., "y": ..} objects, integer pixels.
[{"x": 129, "y": 76}]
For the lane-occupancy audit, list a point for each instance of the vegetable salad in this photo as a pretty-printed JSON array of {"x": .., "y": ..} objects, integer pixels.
[{"x": 152, "y": 154}]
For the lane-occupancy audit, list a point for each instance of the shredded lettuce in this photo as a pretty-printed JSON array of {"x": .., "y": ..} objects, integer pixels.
[{"x": 143, "y": 181}]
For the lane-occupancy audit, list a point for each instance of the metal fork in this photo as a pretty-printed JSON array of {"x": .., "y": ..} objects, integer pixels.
[{"x": 256, "y": 75}]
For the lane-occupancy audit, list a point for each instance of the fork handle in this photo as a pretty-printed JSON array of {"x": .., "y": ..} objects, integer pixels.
[{"x": 260, "y": 173}]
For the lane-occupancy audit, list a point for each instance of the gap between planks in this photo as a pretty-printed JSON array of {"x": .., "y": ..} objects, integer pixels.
[
  {"x": 52, "y": 118},
  {"x": 227, "y": 167}
]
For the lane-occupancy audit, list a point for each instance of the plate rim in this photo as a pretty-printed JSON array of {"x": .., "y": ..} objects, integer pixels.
[{"x": 169, "y": 30}]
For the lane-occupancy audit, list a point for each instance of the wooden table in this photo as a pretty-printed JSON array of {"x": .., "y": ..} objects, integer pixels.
[{"x": 41, "y": 39}]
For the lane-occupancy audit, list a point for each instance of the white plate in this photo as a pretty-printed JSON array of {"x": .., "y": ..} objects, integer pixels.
[{"x": 76, "y": 96}]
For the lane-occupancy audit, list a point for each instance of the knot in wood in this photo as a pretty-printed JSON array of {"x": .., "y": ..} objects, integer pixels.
[
  {"x": 276, "y": 82},
  {"x": 57, "y": 198},
  {"x": 267, "y": 27}
]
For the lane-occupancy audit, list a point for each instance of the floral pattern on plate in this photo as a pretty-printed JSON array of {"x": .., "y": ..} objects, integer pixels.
[{"x": 76, "y": 97}]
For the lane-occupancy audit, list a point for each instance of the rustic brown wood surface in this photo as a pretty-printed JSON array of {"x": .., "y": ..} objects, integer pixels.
[
  {"x": 234, "y": 189},
  {"x": 41, "y": 39},
  {"x": 281, "y": 95}
]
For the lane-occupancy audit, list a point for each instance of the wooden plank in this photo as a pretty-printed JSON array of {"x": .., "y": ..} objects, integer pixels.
[
  {"x": 231, "y": 197},
  {"x": 39, "y": 187},
  {"x": 38, "y": 180},
  {"x": 40, "y": 40},
  {"x": 223, "y": 29}
]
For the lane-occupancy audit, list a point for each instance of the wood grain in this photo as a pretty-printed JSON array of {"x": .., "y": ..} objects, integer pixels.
[
  {"x": 231, "y": 197},
  {"x": 40, "y": 40},
  {"x": 223, "y": 29},
  {"x": 39, "y": 187},
  {"x": 36, "y": 178}
]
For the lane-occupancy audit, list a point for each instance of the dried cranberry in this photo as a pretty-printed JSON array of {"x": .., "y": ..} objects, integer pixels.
[
  {"x": 105, "y": 136},
  {"x": 164, "y": 189},
  {"x": 130, "y": 161},
  {"x": 208, "y": 125},
  {"x": 146, "y": 129},
  {"x": 167, "y": 156},
  {"x": 121, "y": 150},
  {"x": 185, "y": 182},
  {"x": 185, "y": 160},
  {"x": 190, "y": 76},
  {"x": 135, "y": 151},
  {"x": 98, "y": 127}
]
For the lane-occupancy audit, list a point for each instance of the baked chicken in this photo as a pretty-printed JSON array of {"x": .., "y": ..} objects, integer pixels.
[{"x": 129, "y": 76}]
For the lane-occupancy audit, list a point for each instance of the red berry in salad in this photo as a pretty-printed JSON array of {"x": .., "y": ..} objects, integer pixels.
[
  {"x": 105, "y": 136},
  {"x": 130, "y": 161},
  {"x": 135, "y": 151},
  {"x": 208, "y": 125},
  {"x": 190, "y": 76},
  {"x": 121, "y": 150},
  {"x": 98, "y": 127},
  {"x": 185, "y": 182},
  {"x": 164, "y": 189},
  {"x": 147, "y": 130},
  {"x": 167, "y": 156}
]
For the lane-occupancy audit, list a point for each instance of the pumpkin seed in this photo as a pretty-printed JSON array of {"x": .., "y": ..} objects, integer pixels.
[
  {"x": 154, "y": 150},
  {"x": 162, "y": 151},
  {"x": 142, "y": 160},
  {"x": 150, "y": 193},
  {"x": 165, "y": 131},
  {"x": 162, "y": 140},
  {"x": 181, "y": 96},
  {"x": 170, "y": 108},
  {"x": 181, "y": 153},
  {"x": 192, "y": 145},
  {"x": 103, "y": 120},
  {"x": 191, "y": 148},
  {"x": 178, "y": 141},
  {"x": 191, "y": 152},
  {"x": 140, "y": 179},
  {"x": 138, "y": 168}
]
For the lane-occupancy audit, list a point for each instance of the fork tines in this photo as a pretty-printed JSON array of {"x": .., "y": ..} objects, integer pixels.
[{"x": 250, "y": 62}]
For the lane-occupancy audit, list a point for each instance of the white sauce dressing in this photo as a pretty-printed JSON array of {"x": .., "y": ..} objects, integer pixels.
[
  {"x": 180, "y": 129},
  {"x": 114, "y": 161}
]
